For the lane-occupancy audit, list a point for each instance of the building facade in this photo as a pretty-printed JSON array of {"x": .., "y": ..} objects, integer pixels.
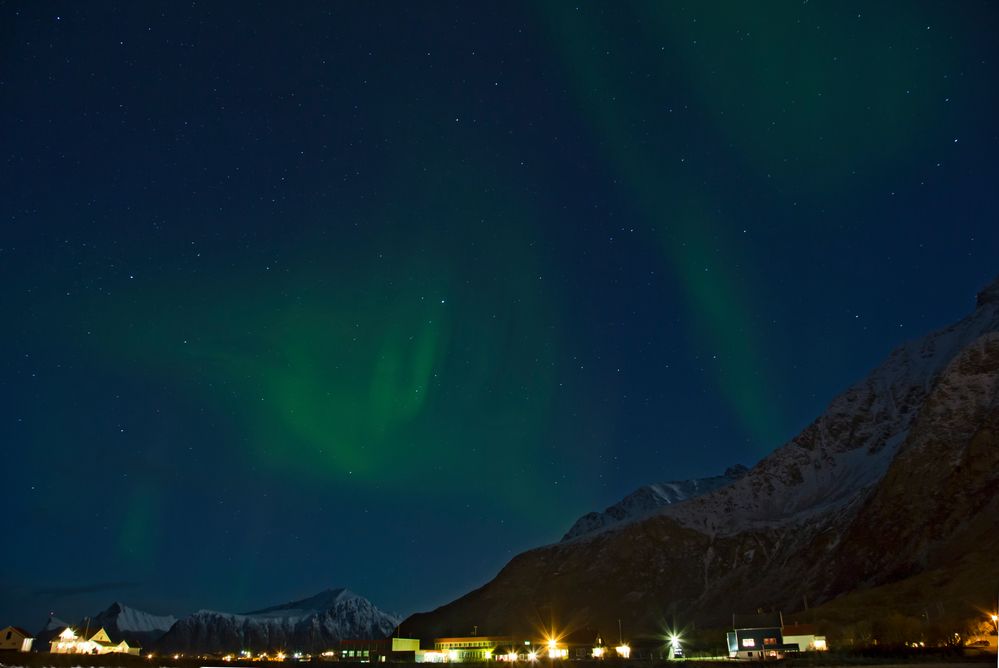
[
  {"x": 469, "y": 648},
  {"x": 15, "y": 639},
  {"x": 378, "y": 650},
  {"x": 757, "y": 637}
]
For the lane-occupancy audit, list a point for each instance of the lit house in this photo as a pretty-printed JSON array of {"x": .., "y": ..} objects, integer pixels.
[
  {"x": 68, "y": 642},
  {"x": 14, "y": 638},
  {"x": 758, "y": 637},
  {"x": 469, "y": 648},
  {"x": 378, "y": 650}
]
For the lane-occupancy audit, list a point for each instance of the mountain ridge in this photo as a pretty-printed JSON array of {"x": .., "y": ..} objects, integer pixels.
[
  {"x": 310, "y": 624},
  {"x": 649, "y": 498},
  {"x": 806, "y": 522}
]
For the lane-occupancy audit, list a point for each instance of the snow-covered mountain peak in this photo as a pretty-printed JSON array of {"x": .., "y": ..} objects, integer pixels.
[
  {"x": 309, "y": 624},
  {"x": 324, "y": 600},
  {"x": 122, "y": 618},
  {"x": 650, "y": 498},
  {"x": 54, "y": 624},
  {"x": 850, "y": 446}
]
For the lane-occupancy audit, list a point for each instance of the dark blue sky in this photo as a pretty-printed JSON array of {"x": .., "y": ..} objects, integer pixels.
[{"x": 379, "y": 295}]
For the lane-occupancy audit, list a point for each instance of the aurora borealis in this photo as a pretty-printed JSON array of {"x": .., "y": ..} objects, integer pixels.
[{"x": 379, "y": 295}]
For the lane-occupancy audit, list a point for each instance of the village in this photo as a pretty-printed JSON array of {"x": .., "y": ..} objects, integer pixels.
[{"x": 754, "y": 637}]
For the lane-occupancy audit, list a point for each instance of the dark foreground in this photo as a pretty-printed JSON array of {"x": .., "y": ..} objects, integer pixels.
[{"x": 885, "y": 659}]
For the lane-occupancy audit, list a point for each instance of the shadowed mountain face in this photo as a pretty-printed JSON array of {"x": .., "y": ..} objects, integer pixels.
[{"x": 898, "y": 478}]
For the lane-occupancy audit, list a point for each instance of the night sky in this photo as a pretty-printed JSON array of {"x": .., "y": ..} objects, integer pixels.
[{"x": 378, "y": 295}]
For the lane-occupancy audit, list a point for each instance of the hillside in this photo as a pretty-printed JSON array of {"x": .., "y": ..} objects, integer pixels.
[{"x": 897, "y": 479}]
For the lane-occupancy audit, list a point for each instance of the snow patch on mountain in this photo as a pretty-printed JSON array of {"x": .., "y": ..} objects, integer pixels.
[
  {"x": 828, "y": 466},
  {"x": 324, "y": 600},
  {"x": 848, "y": 449},
  {"x": 646, "y": 500}
]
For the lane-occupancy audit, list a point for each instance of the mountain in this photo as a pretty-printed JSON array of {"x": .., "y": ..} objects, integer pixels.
[
  {"x": 890, "y": 496},
  {"x": 52, "y": 628},
  {"x": 646, "y": 500},
  {"x": 309, "y": 625},
  {"x": 136, "y": 627}
]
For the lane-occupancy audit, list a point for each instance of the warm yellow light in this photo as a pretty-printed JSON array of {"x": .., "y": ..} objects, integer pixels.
[
  {"x": 511, "y": 656},
  {"x": 551, "y": 643},
  {"x": 176, "y": 656},
  {"x": 488, "y": 654},
  {"x": 820, "y": 644},
  {"x": 995, "y": 618},
  {"x": 453, "y": 655},
  {"x": 598, "y": 652},
  {"x": 623, "y": 651},
  {"x": 532, "y": 656}
]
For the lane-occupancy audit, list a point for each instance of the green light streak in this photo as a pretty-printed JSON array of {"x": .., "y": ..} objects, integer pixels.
[
  {"x": 411, "y": 356},
  {"x": 136, "y": 538},
  {"x": 686, "y": 229},
  {"x": 811, "y": 94}
]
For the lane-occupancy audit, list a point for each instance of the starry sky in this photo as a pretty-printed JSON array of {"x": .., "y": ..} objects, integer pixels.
[{"x": 378, "y": 295}]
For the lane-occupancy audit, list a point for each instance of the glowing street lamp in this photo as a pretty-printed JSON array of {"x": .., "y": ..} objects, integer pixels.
[{"x": 675, "y": 648}]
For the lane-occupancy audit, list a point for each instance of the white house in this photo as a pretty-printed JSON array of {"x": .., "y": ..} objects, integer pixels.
[
  {"x": 14, "y": 638},
  {"x": 68, "y": 642}
]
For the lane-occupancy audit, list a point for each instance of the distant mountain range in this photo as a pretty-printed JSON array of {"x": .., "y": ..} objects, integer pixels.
[
  {"x": 135, "y": 627},
  {"x": 890, "y": 496},
  {"x": 311, "y": 624}
]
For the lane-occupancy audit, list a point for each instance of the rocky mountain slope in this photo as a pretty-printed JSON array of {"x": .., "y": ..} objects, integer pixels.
[
  {"x": 898, "y": 477},
  {"x": 309, "y": 625},
  {"x": 650, "y": 498},
  {"x": 137, "y": 628}
]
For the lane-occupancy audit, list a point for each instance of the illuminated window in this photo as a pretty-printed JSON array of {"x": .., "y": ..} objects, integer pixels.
[
  {"x": 748, "y": 642},
  {"x": 770, "y": 641}
]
